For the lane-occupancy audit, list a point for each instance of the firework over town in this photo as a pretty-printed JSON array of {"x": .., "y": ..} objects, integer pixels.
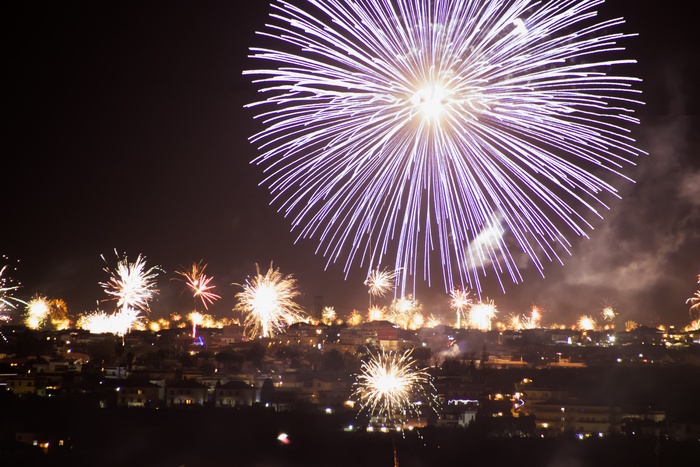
[{"x": 310, "y": 173}]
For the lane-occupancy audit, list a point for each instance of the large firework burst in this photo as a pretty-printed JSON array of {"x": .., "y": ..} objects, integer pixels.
[
  {"x": 467, "y": 127},
  {"x": 390, "y": 384},
  {"x": 267, "y": 302}
]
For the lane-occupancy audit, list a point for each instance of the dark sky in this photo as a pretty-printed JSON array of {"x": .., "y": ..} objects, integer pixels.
[{"x": 127, "y": 131}]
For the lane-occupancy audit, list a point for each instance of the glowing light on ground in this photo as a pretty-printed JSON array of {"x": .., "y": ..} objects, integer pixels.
[
  {"x": 394, "y": 130},
  {"x": 390, "y": 384},
  {"x": 268, "y": 303}
]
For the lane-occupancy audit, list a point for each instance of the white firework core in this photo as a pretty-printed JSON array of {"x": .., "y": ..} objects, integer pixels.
[{"x": 393, "y": 130}]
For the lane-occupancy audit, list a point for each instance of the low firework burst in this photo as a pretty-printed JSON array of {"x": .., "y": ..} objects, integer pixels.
[
  {"x": 406, "y": 312},
  {"x": 199, "y": 283},
  {"x": 44, "y": 313},
  {"x": 328, "y": 315},
  {"x": 37, "y": 312},
  {"x": 586, "y": 323},
  {"x": 355, "y": 318},
  {"x": 391, "y": 385},
  {"x": 459, "y": 303},
  {"x": 118, "y": 323},
  {"x": 375, "y": 313},
  {"x": 267, "y": 303},
  {"x": 481, "y": 314}
]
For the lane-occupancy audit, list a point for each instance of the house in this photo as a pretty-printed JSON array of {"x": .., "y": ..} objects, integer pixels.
[
  {"x": 185, "y": 392},
  {"x": 135, "y": 393},
  {"x": 20, "y": 384},
  {"x": 235, "y": 393}
]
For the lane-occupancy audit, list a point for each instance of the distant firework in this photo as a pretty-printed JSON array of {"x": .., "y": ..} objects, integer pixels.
[
  {"x": 481, "y": 314},
  {"x": 131, "y": 284},
  {"x": 695, "y": 301},
  {"x": 586, "y": 323},
  {"x": 380, "y": 283},
  {"x": 37, "y": 312},
  {"x": 199, "y": 283},
  {"x": 118, "y": 323},
  {"x": 267, "y": 303},
  {"x": 390, "y": 385},
  {"x": 406, "y": 312},
  {"x": 460, "y": 302},
  {"x": 395, "y": 129}
]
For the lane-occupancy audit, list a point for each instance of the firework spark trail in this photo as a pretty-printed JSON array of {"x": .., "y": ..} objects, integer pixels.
[
  {"x": 389, "y": 384},
  {"x": 199, "y": 283},
  {"x": 131, "y": 284},
  {"x": 7, "y": 300},
  {"x": 462, "y": 127},
  {"x": 267, "y": 302}
]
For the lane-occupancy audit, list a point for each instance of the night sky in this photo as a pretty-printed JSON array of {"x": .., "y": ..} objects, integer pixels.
[{"x": 126, "y": 129}]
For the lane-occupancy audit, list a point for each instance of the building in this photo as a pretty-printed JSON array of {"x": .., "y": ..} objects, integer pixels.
[
  {"x": 235, "y": 393},
  {"x": 185, "y": 392}
]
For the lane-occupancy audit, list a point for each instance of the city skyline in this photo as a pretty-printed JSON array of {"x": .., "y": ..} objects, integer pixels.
[{"x": 129, "y": 133}]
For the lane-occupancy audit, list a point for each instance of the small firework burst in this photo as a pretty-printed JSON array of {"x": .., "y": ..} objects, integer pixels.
[{"x": 199, "y": 283}]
